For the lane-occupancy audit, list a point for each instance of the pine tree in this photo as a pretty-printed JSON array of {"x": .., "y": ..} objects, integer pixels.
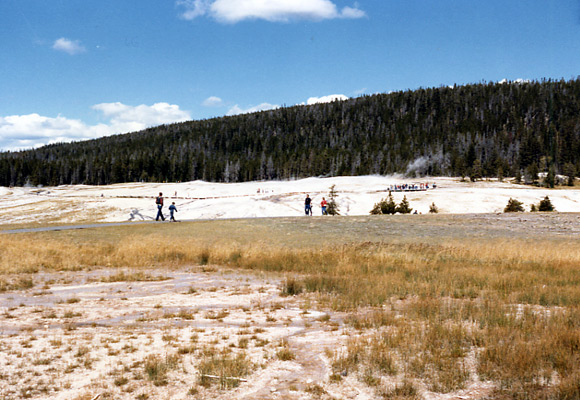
[
  {"x": 499, "y": 173},
  {"x": 518, "y": 177},
  {"x": 550, "y": 181},
  {"x": 546, "y": 205},
  {"x": 389, "y": 207},
  {"x": 377, "y": 208},
  {"x": 332, "y": 208},
  {"x": 476, "y": 173},
  {"x": 403, "y": 207},
  {"x": 532, "y": 174},
  {"x": 514, "y": 205},
  {"x": 570, "y": 172}
]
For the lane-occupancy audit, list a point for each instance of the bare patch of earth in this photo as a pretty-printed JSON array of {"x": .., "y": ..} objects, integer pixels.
[{"x": 83, "y": 335}]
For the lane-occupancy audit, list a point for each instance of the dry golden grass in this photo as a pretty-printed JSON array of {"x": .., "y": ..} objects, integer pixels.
[{"x": 503, "y": 306}]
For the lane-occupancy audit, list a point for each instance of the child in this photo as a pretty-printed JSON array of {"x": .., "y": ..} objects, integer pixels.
[{"x": 172, "y": 209}]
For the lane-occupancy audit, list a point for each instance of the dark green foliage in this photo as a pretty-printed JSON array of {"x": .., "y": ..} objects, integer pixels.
[
  {"x": 385, "y": 206},
  {"x": 332, "y": 208},
  {"x": 550, "y": 180},
  {"x": 531, "y": 175},
  {"x": 570, "y": 172},
  {"x": 546, "y": 205},
  {"x": 476, "y": 171},
  {"x": 514, "y": 205},
  {"x": 377, "y": 208},
  {"x": 474, "y": 130},
  {"x": 403, "y": 207}
]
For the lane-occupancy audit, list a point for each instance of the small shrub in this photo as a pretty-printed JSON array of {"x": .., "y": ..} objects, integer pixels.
[
  {"x": 403, "y": 207},
  {"x": 376, "y": 210},
  {"x": 546, "y": 205},
  {"x": 514, "y": 205},
  {"x": 285, "y": 353},
  {"x": 385, "y": 206},
  {"x": 157, "y": 368}
]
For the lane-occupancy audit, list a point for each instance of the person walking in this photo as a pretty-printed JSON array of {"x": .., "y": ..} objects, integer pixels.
[
  {"x": 159, "y": 202},
  {"x": 323, "y": 205},
  {"x": 172, "y": 209},
  {"x": 308, "y": 205}
]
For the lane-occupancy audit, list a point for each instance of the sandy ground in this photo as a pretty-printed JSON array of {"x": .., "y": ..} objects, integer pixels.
[{"x": 202, "y": 200}]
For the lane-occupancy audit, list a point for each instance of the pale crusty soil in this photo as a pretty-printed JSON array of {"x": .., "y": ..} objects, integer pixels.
[{"x": 76, "y": 336}]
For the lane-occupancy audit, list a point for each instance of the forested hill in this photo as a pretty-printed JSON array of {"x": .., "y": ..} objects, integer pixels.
[{"x": 486, "y": 129}]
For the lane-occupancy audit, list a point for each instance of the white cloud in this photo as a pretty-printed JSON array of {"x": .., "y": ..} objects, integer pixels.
[
  {"x": 232, "y": 11},
  {"x": 126, "y": 118},
  {"x": 34, "y": 130},
  {"x": 193, "y": 8},
  {"x": 235, "y": 110},
  {"x": 71, "y": 47},
  {"x": 213, "y": 101},
  {"x": 352, "y": 12},
  {"x": 326, "y": 99}
]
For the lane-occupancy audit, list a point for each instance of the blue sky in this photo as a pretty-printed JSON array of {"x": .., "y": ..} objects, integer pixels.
[{"x": 75, "y": 70}]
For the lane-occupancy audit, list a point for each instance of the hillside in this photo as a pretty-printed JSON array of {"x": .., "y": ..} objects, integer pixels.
[{"x": 486, "y": 129}]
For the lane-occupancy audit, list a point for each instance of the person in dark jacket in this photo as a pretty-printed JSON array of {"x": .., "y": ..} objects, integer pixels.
[
  {"x": 159, "y": 202},
  {"x": 172, "y": 209},
  {"x": 308, "y": 205}
]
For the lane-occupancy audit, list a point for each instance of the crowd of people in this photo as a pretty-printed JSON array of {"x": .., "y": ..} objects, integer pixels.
[{"x": 411, "y": 187}]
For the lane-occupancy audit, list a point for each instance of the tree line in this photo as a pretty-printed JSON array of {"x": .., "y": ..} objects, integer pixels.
[{"x": 477, "y": 130}]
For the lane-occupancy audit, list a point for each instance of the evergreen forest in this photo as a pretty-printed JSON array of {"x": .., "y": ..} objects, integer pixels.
[{"x": 477, "y": 130}]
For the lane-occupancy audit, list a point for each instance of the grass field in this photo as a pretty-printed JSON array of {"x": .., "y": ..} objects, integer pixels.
[{"x": 483, "y": 305}]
